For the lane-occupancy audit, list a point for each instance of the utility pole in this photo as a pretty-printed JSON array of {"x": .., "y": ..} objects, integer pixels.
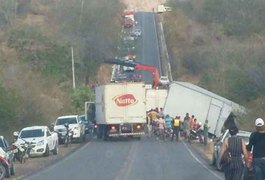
[{"x": 73, "y": 66}]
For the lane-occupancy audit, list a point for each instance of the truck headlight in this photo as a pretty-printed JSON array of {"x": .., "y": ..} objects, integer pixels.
[{"x": 40, "y": 143}]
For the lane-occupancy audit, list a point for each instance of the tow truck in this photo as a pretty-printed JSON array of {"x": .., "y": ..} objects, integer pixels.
[{"x": 138, "y": 66}]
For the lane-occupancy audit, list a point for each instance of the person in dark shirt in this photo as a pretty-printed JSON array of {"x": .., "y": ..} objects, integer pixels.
[{"x": 257, "y": 142}]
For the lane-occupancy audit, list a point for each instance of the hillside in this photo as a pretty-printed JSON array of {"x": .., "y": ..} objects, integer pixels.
[
  {"x": 36, "y": 38},
  {"x": 213, "y": 45},
  {"x": 219, "y": 45}
]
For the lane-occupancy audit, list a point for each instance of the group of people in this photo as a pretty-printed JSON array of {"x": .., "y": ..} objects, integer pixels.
[
  {"x": 159, "y": 124},
  {"x": 236, "y": 168},
  {"x": 165, "y": 123}
]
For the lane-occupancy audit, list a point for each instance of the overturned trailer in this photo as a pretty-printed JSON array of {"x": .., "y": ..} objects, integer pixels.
[{"x": 184, "y": 97}]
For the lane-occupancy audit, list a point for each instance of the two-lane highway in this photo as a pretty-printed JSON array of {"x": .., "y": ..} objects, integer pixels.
[
  {"x": 129, "y": 159},
  {"x": 148, "y": 49}
]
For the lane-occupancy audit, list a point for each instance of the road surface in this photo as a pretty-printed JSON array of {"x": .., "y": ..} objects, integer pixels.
[
  {"x": 148, "y": 50},
  {"x": 129, "y": 159}
]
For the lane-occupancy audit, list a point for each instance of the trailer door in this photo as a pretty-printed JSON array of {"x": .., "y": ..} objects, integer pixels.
[{"x": 213, "y": 116}]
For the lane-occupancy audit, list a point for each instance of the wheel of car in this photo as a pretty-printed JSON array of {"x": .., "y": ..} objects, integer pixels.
[
  {"x": 61, "y": 141},
  {"x": 55, "y": 151},
  {"x": 3, "y": 171},
  {"x": 84, "y": 138},
  {"x": 213, "y": 162},
  {"x": 47, "y": 151},
  {"x": 218, "y": 166},
  {"x": 12, "y": 169}
]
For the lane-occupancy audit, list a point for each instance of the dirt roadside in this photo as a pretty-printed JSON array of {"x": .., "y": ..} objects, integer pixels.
[
  {"x": 205, "y": 151},
  {"x": 35, "y": 164}
]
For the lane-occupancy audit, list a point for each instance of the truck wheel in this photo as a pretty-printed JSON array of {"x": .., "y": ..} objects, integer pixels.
[
  {"x": 99, "y": 132},
  {"x": 55, "y": 151},
  {"x": 3, "y": 171},
  {"x": 47, "y": 151},
  {"x": 105, "y": 134}
]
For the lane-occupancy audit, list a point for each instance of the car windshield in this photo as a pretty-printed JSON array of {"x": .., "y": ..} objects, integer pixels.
[
  {"x": 32, "y": 133},
  {"x": 69, "y": 120},
  {"x": 82, "y": 118}
]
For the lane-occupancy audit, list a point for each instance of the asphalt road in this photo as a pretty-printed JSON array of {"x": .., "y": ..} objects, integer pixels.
[
  {"x": 129, "y": 159},
  {"x": 148, "y": 50}
]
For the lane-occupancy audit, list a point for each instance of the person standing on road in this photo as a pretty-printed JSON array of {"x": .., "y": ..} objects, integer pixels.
[
  {"x": 161, "y": 127},
  {"x": 191, "y": 122},
  {"x": 206, "y": 128},
  {"x": 257, "y": 142},
  {"x": 236, "y": 146},
  {"x": 186, "y": 126},
  {"x": 168, "y": 121},
  {"x": 176, "y": 124}
]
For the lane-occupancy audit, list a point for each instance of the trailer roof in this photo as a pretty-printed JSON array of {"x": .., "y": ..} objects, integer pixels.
[{"x": 207, "y": 93}]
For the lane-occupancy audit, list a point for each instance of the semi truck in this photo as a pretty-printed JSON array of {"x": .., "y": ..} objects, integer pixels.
[
  {"x": 184, "y": 97},
  {"x": 119, "y": 109}
]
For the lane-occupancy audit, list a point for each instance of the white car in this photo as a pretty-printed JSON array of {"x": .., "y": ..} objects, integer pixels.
[
  {"x": 75, "y": 125},
  {"x": 164, "y": 80},
  {"x": 128, "y": 68},
  {"x": 136, "y": 32},
  {"x": 42, "y": 140}
]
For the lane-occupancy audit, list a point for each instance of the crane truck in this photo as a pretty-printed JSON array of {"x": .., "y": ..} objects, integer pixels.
[{"x": 138, "y": 66}]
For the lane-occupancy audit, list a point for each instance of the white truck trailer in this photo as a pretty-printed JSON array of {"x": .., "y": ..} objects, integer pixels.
[
  {"x": 185, "y": 98},
  {"x": 155, "y": 98},
  {"x": 120, "y": 109}
]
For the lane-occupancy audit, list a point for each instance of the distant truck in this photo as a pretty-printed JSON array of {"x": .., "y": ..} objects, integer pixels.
[
  {"x": 120, "y": 109},
  {"x": 184, "y": 97},
  {"x": 161, "y": 8}
]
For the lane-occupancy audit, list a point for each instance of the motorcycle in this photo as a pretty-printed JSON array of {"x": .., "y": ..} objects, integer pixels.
[
  {"x": 68, "y": 136},
  {"x": 168, "y": 133},
  {"x": 195, "y": 135},
  {"x": 22, "y": 151}
]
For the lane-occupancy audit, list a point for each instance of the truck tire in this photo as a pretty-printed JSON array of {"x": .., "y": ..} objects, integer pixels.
[
  {"x": 100, "y": 132},
  {"x": 3, "y": 171},
  {"x": 105, "y": 134}
]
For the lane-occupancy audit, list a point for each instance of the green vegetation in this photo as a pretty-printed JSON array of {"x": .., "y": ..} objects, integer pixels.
[
  {"x": 36, "y": 59},
  {"x": 219, "y": 44},
  {"x": 80, "y": 96},
  {"x": 8, "y": 100}
]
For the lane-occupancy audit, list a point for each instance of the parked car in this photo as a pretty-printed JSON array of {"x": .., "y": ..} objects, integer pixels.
[
  {"x": 6, "y": 159},
  {"x": 136, "y": 32},
  {"x": 218, "y": 144},
  {"x": 164, "y": 81},
  {"x": 128, "y": 68},
  {"x": 75, "y": 125},
  {"x": 88, "y": 124},
  {"x": 42, "y": 141},
  {"x": 129, "y": 38}
]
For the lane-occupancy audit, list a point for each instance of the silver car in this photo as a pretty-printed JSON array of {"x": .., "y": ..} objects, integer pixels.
[{"x": 218, "y": 144}]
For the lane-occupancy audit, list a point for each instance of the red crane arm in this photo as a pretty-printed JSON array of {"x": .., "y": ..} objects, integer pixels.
[
  {"x": 138, "y": 66},
  {"x": 151, "y": 69}
]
